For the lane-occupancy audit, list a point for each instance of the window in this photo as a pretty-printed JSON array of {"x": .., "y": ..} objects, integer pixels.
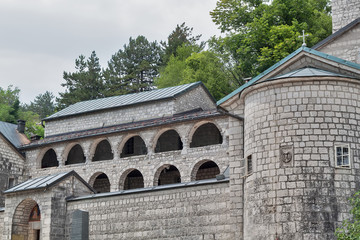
[
  {"x": 11, "y": 182},
  {"x": 249, "y": 164},
  {"x": 342, "y": 156}
]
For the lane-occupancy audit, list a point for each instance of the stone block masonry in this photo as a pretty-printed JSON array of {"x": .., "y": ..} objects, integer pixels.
[
  {"x": 11, "y": 167},
  {"x": 344, "y": 12},
  {"x": 197, "y": 212},
  {"x": 1, "y": 224},
  {"x": 296, "y": 190}
]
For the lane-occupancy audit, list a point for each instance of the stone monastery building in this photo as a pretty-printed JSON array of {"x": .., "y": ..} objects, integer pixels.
[{"x": 276, "y": 159}]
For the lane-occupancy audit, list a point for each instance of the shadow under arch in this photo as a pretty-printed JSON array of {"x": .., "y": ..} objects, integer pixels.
[
  {"x": 204, "y": 134},
  {"x": 204, "y": 169},
  {"x": 100, "y": 182},
  {"x": 102, "y": 151},
  {"x": 167, "y": 174},
  {"x": 131, "y": 179},
  {"x": 26, "y": 222},
  {"x": 132, "y": 145},
  {"x": 48, "y": 158},
  {"x": 168, "y": 140},
  {"x": 75, "y": 155}
]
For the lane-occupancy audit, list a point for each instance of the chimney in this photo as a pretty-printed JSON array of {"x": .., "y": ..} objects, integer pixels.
[{"x": 21, "y": 126}]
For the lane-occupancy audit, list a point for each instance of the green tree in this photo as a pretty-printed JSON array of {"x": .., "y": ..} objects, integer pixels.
[
  {"x": 350, "y": 229},
  {"x": 9, "y": 104},
  {"x": 33, "y": 124},
  {"x": 180, "y": 36},
  {"x": 259, "y": 34},
  {"x": 192, "y": 65},
  {"x": 43, "y": 105},
  {"x": 133, "y": 68},
  {"x": 173, "y": 73},
  {"x": 85, "y": 84}
]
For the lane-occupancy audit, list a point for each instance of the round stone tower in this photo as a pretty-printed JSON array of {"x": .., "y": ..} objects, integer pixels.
[
  {"x": 302, "y": 135},
  {"x": 344, "y": 12}
]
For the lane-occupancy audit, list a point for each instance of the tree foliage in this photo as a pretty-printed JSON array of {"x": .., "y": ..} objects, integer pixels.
[
  {"x": 350, "y": 229},
  {"x": 85, "y": 83},
  {"x": 260, "y": 34},
  {"x": 133, "y": 68},
  {"x": 9, "y": 104},
  {"x": 192, "y": 65},
  {"x": 182, "y": 35},
  {"x": 43, "y": 105}
]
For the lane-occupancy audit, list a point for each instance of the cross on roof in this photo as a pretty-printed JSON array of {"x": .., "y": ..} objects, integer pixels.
[{"x": 303, "y": 37}]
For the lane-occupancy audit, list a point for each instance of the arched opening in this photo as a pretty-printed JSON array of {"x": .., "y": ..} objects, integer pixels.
[
  {"x": 101, "y": 183},
  {"x": 103, "y": 151},
  {"x": 26, "y": 222},
  {"x": 133, "y": 180},
  {"x": 134, "y": 146},
  {"x": 169, "y": 141},
  {"x": 206, "y": 134},
  {"x": 49, "y": 159},
  {"x": 205, "y": 169},
  {"x": 168, "y": 174},
  {"x": 76, "y": 155}
]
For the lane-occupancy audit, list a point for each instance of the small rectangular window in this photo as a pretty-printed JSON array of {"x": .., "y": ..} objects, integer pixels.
[
  {"x": 249, "y": 164},
  {"x": 11, "y": 182},
  {"x": 342, "y": 156}
]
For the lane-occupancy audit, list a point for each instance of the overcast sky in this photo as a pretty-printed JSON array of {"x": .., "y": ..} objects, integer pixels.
[{"x": 39, "y": 39}]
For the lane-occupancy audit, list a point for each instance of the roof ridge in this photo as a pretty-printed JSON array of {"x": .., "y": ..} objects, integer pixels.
[
  {"x": 284, "y": 60},
  {"x": 124, "y": 100}
]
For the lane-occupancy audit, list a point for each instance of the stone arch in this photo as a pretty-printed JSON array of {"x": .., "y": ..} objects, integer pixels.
[
  {"x": 167, "y": 174},
  {"x": 205, "y": 133},
  {"x": 47, "y": 158},
  {"x": 75, "y": 154},
  {"x": 100, "y": 182},
  {"x": 132, "y": 145},
  {"x": 101, "y": 150},
  {"x": 26, "y": 222},
  {"x": 204, "y": 169},
  {"x": 131, "y": 179},
  {"x": 168, "y": 140}
]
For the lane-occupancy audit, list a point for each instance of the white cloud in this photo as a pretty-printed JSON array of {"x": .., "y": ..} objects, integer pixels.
[{"x": 41, "y": 39}]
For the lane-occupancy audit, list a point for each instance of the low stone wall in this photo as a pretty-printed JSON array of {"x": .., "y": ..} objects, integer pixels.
[
  {"x": 196, "y": 212},
  {"x": 1, "y": 223}
]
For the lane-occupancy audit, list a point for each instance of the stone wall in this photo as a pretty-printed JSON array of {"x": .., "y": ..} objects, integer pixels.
[
  {"x": 1, "y": 224},
  {"x": 344, "y": 12},
  {"x": 150, "y": 165},
  {"x": 193, "y": 99},
  {"x": 345, "y": 46},
  {"x": 11, "y": 167},
  {"x": 52, "y": 205},
  {"x": 291, "y": 130},
  {"x": 237, "y": 165},
  {"x": 197, "y": 212}
]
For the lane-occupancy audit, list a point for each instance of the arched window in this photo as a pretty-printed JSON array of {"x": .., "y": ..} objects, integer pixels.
[
  {"x": 168, "y": 175},
  {"x": 49, "y": 159},
  {"x": 133, "y": 147},
  {"x": 103, "y": 151},
  {"x": 76, "y": 155},
  {"x": 205, "y": 170},
  {"x": 169, "y": 141},
  {"x": 206, "y": 134},
  {"x": 134, "y": 180},
  {"x": 102, "y": 183}
]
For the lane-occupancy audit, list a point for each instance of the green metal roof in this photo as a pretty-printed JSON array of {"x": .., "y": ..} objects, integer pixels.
[
  {"x": 308, "y": 72},
  {"x": 284, "y": 60},
  {"x": 123, "y": 100}
]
